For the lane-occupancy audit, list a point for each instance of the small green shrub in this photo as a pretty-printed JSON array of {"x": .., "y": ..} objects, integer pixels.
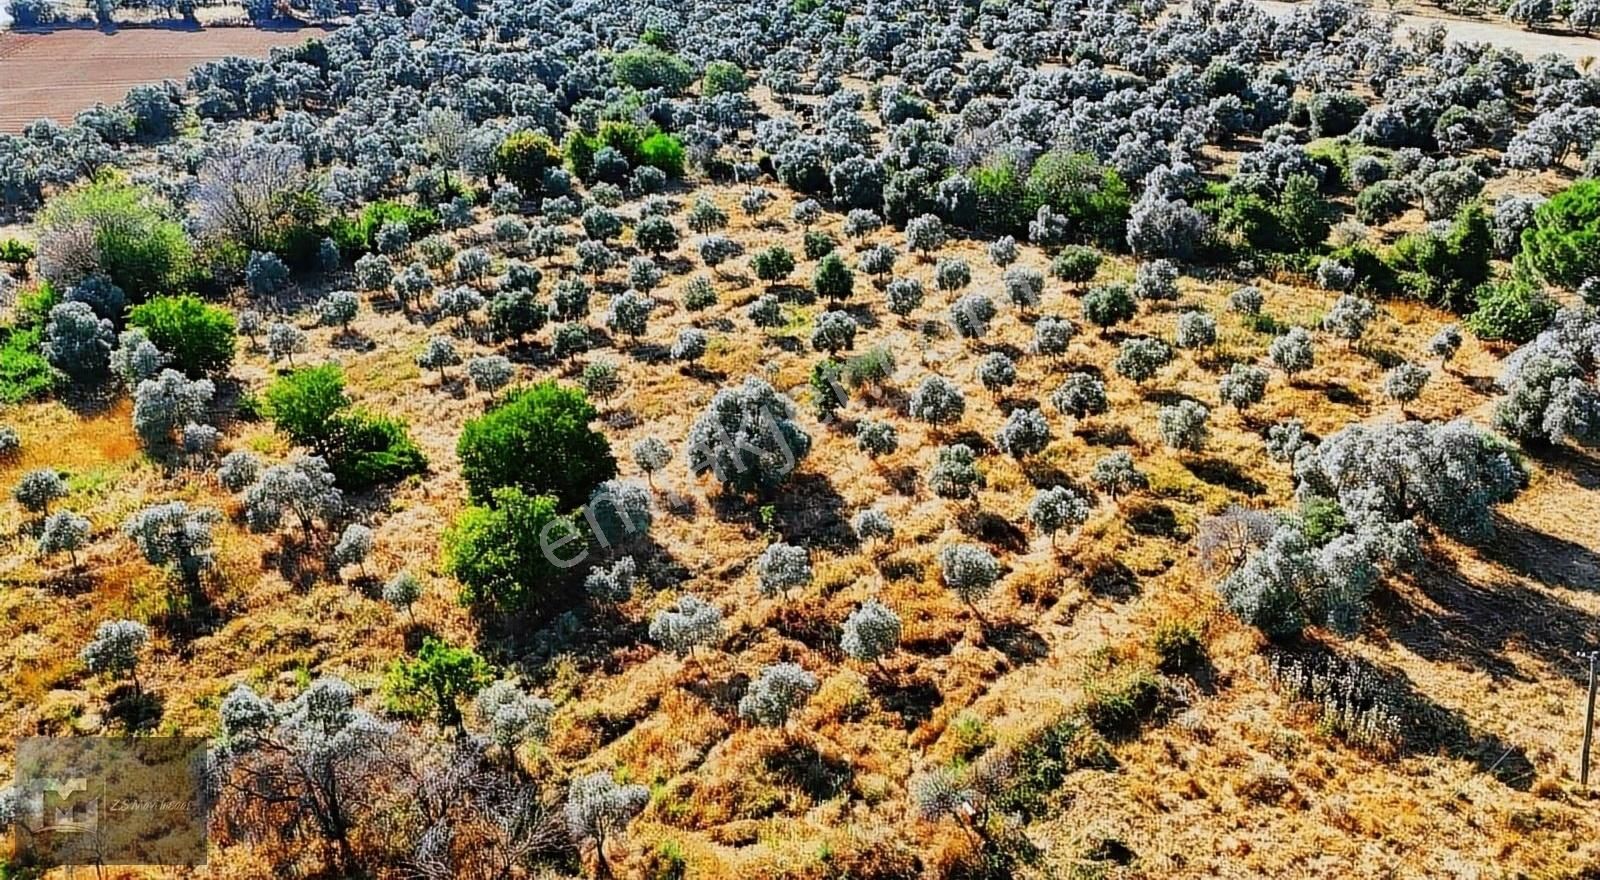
[
  {"x": 1563, "y": 244},
  {"x": 1513, "y": 310},
  {"x": 523, "y": 157},
  {"x": 1179, "y": 645},
  {"x": 1321, "y": 519},
  {"x": 872, "y": 367},
  {"x": 15, "y": 252},
  {"x": 363, "y": 449},
  {"x": 199, "y": 337},
  {"x": 139, "y": 244},
  {"x": 435, "y": 681},
  {"x": 1118, "y": 702},
  {"x": 647, "y": 67},
  {"x": 24, "y": 373},
  {"x": 663, "y": 151},
  {"x": 367, "y": 449},
  {"x": 305, "y": 402},
  {"x": 360, "y": 235}
]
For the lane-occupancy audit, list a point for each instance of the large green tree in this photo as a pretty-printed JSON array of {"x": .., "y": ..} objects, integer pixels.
[{"x": 539, "y": 441}]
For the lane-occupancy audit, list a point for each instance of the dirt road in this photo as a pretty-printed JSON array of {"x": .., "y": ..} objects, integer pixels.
[{"x": 1530, "y": 43}]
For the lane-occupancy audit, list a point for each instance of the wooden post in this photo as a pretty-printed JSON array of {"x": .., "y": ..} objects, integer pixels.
[{"x": 1588, "y": 725}]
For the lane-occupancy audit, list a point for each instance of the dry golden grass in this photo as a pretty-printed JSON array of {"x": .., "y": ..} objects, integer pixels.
[{"x": 1240, "y": 783}]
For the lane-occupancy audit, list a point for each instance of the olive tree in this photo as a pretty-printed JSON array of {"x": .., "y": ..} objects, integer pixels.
[
  {"x": 64, "y": 532},
  {"x": 969, "y": 571},
  {"x": 903, "y": 296},
  {"x": 937, "y": 401},
  {"x": 599, "y": 810},
  {"x": 955, "y": 473},
  {"x": 1116, "y": 475},
  {"x": 777, "y": 692},
  {"x": 1141, "y": 358},
  {"x": 870, "y": 633},
  {"x": 302, "y": 487},
  {"x": 1243, "y": 386},
  {"x": 166, "y": 403},
  {"x": 1024, "y": 433},
  {"x": 782, "y": 567},
  {"x": 114, "y": 650},
  {"x": 748, "y": 438},
  {"x": 691, "y": 622},
  {"x": 1292, "y": 352},
  {"x": 511, "y": 716},
  {"x": 37, "y": 488},
  {"x": 176, "y": 537},
  {"x": 1057, "y": 508},
  {"x": 1183, "y": 425},
  {"x": 78, "y": 342},
  {"x": 1405, "y": 382},
  {"x": 1081, "y": 395}
]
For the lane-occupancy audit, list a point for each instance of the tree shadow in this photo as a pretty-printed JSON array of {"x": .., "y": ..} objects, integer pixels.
[
  {"x": 352, "y": 341},
  {"x": 1224, "y": 473},
  {"x": 1113, "y": 580},
  {"x": 700, "y": 373},
  {"x": 914, "y": 700},
  {"x": 722, "y": 696},
  {"x": 993, "y": 529},
  {"x": 651, "y": 353},
  {"x": 1545, "y": 558},
  {"x": 1155, "y": 520},
  {"x": 818, "y": 776},
  {"x": 1017, "y": 641},
  {"x": 1165, "y": 396},
  {"x": 979, "y": 444},
  {"x": 188, "y": 614},
  {"x": 1106, "y": 435},
  {"x": 862, "y": 313},
  {"x": 1337, "y": 392},
  {"x": 902, "y": 479},
  {"x": 1355, "y": 687},
  {"x": 1465, "y": 623},
  {"x": 1009, "y": 404},
  {"x": 896, "y": 568},
  {"x": 133, "y": 710},
  {"x": 1042, "y": 474},
  {"x": 805, "y": 621},
  {"x": 1581, "y": 467},
  {"x": 811, "y": 511}
]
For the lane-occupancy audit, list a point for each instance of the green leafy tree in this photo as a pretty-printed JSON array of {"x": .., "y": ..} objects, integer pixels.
[
  {"x": 648, "y": 67},
  {"x": 435, "y": 681},
  {"x": 1447, "y": 270},
  {"x": 773, "y": 264},
  {"x": 723, "y": 78},
  {"x": 133, "y": 238},
  {"x": 538, "y": 440},
  {"x": 1564, "y": 243},
  {"x": 507, "y": 556},
  {"x": 833, "y": 279},
  {"x": 523, "y": 157},
  {"x": 305, "y": 404}
]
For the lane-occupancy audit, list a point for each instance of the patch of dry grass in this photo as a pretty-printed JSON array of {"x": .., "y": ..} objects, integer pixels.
[{"x": 1238, "y": 783}]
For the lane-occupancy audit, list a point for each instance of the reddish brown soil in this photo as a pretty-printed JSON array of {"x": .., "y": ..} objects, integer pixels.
[{"x": 56, "y": 74}]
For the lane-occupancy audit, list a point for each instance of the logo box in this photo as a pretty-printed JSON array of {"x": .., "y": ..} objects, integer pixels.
[{"x": 109, "y": 801}]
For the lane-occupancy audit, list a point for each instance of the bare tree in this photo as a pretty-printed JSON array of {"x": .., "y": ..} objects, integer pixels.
[{"x": 246, "y": 189}]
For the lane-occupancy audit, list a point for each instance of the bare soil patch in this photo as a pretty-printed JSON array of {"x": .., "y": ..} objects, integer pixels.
[
  {"x": 55, "y": 74},
  {"x": 1497, "y": 32}
]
